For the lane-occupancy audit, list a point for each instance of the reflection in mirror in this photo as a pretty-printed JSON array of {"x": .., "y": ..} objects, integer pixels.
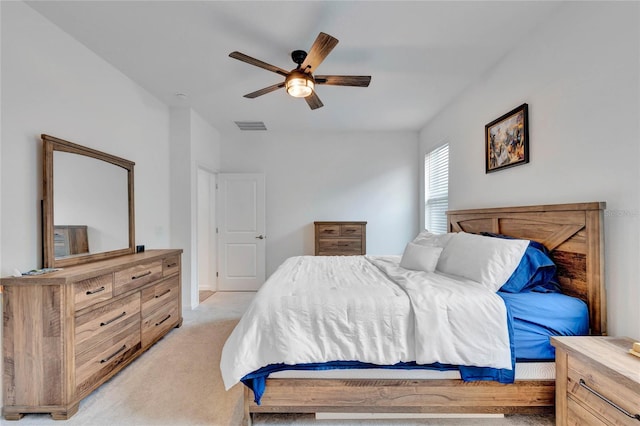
[
  {"x": 91, "y": 205},
  {"x": 88, "y": 211}
]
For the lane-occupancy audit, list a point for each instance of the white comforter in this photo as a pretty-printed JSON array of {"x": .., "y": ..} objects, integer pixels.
[{"x": 366, "y": 308}]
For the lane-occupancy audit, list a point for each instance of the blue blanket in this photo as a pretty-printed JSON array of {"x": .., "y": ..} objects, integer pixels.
[{"x": 537, "y": 316}]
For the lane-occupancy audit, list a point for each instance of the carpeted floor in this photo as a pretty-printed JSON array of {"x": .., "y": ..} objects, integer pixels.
[{"x": 177, "y": 382}]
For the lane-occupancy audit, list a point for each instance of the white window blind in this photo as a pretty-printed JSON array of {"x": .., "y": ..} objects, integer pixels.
[{"x": 436, "y": 185}]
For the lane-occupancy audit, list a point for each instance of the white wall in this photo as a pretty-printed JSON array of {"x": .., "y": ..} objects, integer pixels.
[
  {"x": 1, "y": 180},
  {"x": 579, "y": 73},
  {"x": 52, "y": 84},
  {"x": 180, "y": 151},
  {"x": 206, "y": 143},
  {"x": 331, "y": 176},
  {"x": 194, "y": 143}
]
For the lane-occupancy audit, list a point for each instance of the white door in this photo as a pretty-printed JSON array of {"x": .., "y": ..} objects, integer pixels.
[
  {"x": 241, "y": 231},
  {"x": 206, "y": 226}
]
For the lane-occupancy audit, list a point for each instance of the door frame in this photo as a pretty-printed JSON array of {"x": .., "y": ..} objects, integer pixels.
[{"x": 213, "y": 176}]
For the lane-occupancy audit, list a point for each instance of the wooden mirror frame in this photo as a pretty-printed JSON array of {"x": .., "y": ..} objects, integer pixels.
[{"x": 51, "y": 144}]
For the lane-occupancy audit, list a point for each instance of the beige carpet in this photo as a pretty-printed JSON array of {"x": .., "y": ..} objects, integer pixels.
[{"x": 177, "y": 382}]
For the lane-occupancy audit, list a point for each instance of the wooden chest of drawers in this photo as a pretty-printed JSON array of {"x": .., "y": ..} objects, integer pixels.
[
  {"x": 65, "y": 333},
  {"x": 340, "y": 238},
  {"x": 597, "y": 381}
]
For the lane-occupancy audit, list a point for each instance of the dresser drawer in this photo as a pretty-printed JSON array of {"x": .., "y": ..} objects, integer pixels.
[
  {"x": 329, "y": 230},
  {"x": 93, "y": 290},
  {"x": 607, "y": 386},
  {"x": 350, "y": 230},
  {"x": 339, "y": 246},
  {"x": 170, "y": 266},
  {"x": 160, "y": 294},
  {"x": 100, "y": 324},
  {"x": 157, "y": 323},
  {"x": 577, "y": 415},
  {"x": 136, "y": 276},
  {"x": 93, "y": 365}
]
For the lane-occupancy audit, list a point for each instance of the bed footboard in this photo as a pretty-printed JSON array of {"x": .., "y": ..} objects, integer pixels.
[{"x": 402, "y": 396}]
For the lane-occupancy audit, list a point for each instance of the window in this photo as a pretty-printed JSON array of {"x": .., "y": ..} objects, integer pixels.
[{"x": 436, "y": 189}]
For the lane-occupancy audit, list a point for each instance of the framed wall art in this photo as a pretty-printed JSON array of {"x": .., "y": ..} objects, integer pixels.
[{"x": 507, "y": 140}]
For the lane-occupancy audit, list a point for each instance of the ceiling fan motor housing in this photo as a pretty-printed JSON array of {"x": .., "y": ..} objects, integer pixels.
[{"x": 298, "y": 56}]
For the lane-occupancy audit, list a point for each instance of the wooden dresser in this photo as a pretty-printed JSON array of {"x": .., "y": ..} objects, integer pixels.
[
  {"x": 597, "y": 381},
  {"x": 341, "y": 238},
  {"x": 67, "y": 332}
]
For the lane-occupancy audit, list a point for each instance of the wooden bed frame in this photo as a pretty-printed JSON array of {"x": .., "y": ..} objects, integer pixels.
[{"x": 574, "y": 235}]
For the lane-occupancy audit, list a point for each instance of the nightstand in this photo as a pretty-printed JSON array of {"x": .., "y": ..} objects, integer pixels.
[{"x": 597, "y": 381}]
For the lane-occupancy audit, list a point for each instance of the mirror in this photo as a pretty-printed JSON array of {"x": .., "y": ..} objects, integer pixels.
[{"x": 88, "y": 211}]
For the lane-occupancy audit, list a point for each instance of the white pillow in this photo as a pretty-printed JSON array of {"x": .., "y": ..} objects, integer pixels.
[
  {"x": 486, "y": 260},
  {"x": 420, "y": 258},
  {"x": 426, "y": 238}
]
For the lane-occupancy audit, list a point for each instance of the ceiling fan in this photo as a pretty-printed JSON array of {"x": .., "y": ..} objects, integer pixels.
[{"x": 300, "y": 82}]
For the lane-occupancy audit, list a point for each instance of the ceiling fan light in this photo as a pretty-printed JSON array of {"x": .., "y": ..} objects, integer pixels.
[{"x": 299, "y": 85}]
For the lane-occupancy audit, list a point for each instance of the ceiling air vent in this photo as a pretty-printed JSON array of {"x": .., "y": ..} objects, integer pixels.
[{"x": 251, "y": 125}]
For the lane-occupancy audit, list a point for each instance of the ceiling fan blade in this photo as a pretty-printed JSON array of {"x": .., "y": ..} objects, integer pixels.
[
  {"x": 323, "y": 45},
  {"x": 313, "y": 101},
  {"x": 344, "y": 80},
  {"x": 258, "y": 63},
  {"x": 264, "y": 91}
]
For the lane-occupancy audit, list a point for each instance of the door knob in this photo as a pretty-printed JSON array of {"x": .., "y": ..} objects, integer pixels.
[{"x": 261, "y": 237}]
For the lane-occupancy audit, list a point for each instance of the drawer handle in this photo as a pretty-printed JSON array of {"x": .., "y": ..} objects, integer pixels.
[
  {"x": 158, "y": 323},
  {"x": 608, "y": 401},
  {"x": 171, "y": 265},
  {"x": 166, "y": 292},
  {"x": 135, "y": 277},
  {"x": 343, "y": 245},
  {"x": 107, "y": 359},
  {"x": 95, "y": 291},
  {"x": 328, "y": 231},
  {"x": 102, "y": 324},
  {"x": 349, "y": 231}
]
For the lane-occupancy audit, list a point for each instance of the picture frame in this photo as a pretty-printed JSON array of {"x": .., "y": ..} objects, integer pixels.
[{"x": 507, "y": 140}]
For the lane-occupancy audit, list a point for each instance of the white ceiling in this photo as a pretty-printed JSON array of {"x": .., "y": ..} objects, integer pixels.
[{"x": 420, "y": 54}]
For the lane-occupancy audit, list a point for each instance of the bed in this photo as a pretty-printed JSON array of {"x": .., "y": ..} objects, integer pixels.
[{"x": 573, "y": 233}]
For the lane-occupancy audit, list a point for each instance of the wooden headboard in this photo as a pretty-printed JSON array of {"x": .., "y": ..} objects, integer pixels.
[{"x": 573, "y": 233}]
